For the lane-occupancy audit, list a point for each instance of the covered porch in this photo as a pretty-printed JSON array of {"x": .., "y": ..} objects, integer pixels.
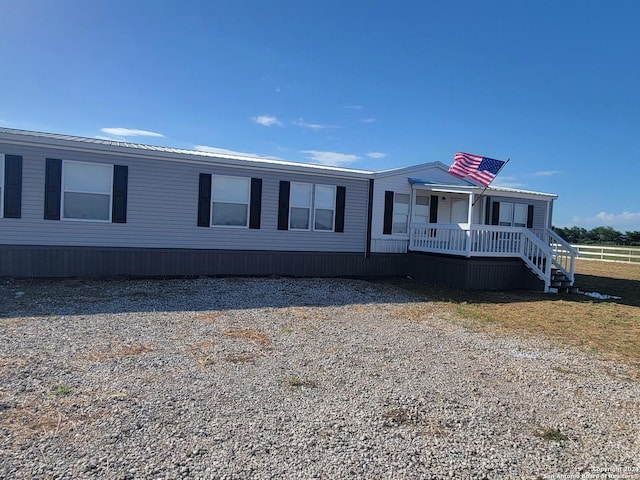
[{"x": 472, "y": 222}]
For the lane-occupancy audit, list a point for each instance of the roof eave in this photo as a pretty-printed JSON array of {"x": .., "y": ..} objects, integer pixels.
[{"x": 69, "y": 142}]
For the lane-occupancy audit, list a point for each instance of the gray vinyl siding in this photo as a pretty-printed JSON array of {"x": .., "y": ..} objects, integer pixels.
[{"x": 162, "y": 209}]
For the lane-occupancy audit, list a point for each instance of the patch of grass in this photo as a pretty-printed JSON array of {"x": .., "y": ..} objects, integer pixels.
[
  {"x": 561, "y": 369},
  {"x": 609, "y": 327},
  {"x": 209, "y": 317},
  {"x": 128, "y": 351},
  {"x": 286, "y": 330},
  {"x": 204, "y": 344},
  {"x": 306, "y": 313},
  {"x": 61, "y": 390},
  {"x": 251, "y": 334},
  {"x": 201, "y": 352},
  {"x": 205, "y": 361},
  {"x": 239, "y": 357},
  {"x": 398, "y": 416},
  {"x": 294, "y": 382},
  {"x": 551, "y": 434}
]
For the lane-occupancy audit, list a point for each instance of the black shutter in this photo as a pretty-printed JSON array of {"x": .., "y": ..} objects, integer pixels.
[
  {"x": 120, "y": 183},
  {"x": 341, "y": 193},
  {"x": 433, "y": 209},
  {"x": 487, "y": 211},
  {"x": 530, "y": 216},
  {"x": 495, "y": 213},
  {"x": 387, "y": 226},
  {"x": 283, "y": 205},
  {"x": 204, "y": 200},
  {"x": 52, "y": 188},
  {"x": 255, "y": 205},
  {"x": 12, "y": 186}
]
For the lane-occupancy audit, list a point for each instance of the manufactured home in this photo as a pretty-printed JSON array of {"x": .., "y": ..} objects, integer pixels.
[{"x": 75, "y": 206}]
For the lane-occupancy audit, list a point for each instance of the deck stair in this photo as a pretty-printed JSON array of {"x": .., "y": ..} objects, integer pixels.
[{"x": 561, "y": 283}]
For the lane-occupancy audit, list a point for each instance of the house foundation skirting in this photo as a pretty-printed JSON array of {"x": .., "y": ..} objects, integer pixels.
[
  {"x": 456, "y": 272},
  {"x": 476, "y": 273},
  {"x": 62, "y": 261}
]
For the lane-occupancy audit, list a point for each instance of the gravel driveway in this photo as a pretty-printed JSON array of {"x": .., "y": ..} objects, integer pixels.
[{"x": 292, "y": 378}]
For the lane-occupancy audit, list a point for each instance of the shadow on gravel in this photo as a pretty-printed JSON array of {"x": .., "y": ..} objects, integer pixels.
[
  {"x": 628, "y": 292},
  {"x": 48, "y": 297}
]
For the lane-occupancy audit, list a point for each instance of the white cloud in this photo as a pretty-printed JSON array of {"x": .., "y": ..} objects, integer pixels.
[
  {"x": 129, "y": 132},
  {"x": 546, "y": 173},
  {"x": 313, "y": 126},
  {"x": 333, "y": 159},
  {"x": 376, "y": 155},
  {"x": 267, "y": 121},
  {"x": 621, "y": 221},
  {"x": 368, "y": 120},
  {"x": 225, "y": 151}
]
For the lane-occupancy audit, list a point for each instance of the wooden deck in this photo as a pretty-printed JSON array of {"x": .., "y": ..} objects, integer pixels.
[{"x": 542, "y": 252}]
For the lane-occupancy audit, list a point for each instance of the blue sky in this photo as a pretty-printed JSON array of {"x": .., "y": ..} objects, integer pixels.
[{"x": 552, "y": 85}]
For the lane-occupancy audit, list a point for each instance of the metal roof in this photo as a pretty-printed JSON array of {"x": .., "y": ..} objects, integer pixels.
[
  {"x": 57, "y": 140},
  {"x": 476, "y": 189},
  {"x": 115, "y": 146}
]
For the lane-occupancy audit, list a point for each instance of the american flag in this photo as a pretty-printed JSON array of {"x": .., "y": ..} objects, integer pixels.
[{"x": 476, "y": 167}]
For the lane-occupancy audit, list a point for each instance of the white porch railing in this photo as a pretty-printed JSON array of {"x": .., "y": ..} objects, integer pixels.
[{"x": 496, "y": 241}]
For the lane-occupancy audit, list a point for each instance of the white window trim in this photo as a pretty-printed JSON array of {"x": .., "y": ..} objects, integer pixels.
[
  {"x": 63, "y": 191},
  {"x": 213, "y": 177},
  {"x": 311, "y": 211},
  {"x": 333, "y": 226},
  {"x": 1, "y": 185}
]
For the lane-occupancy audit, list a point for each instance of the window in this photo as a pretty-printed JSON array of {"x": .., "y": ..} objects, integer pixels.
[
  {"x": 325, "y": 206},
  {"x": 421, "y": 210},
  {"x": 506, "y": 214},
  {"x": 230, "y": 201},
  {"x": 520, "y": 213},
  {"x": 300, "y": 206},
  {"x": 400, "y": 212},
  {"x": 1, "y": 184},
  {"x": 513, "y": 214},
  {"x": 86, "y": 191}
]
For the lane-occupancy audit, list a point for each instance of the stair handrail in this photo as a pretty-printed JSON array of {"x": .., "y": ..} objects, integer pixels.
[
  {"x": 543, "y": 272},
  {"x": 571, "y": 253}
]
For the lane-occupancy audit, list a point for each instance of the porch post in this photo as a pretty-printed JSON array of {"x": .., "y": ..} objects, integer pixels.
[{"x": 469, "y": 222}]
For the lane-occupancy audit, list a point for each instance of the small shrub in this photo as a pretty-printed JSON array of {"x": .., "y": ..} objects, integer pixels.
[
  {"x": 295, "y": 382},
  {"x": 61, "y": 390},
  {"x": 551, "y": 434},
  {"x": 250, "y": 334}
]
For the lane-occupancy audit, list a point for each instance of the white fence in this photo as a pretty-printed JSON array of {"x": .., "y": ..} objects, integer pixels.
[{"x": 608, "y": 254}]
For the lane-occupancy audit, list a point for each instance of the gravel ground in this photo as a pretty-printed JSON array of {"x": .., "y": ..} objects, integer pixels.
[{"x": 292, "y": 378}]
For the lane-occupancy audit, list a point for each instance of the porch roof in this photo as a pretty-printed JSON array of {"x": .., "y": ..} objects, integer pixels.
[{"x": 469, "y": 189}]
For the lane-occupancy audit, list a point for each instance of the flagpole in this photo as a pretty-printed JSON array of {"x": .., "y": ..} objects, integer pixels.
[{"x": 487, "y": 186}]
